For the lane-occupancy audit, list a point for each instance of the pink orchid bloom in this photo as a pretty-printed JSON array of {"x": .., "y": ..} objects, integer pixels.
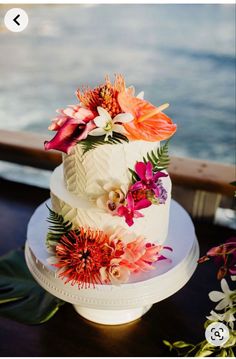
[
  {"x": 148, "y": 179},
  {"x": 72, "y": 125},
  {"x": 130, "y": 211}
]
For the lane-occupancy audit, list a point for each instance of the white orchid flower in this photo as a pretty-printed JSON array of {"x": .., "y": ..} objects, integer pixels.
[
  {"x": 107, "y": 125},
  {"x": 225, "y": 298},
  {"x": 221, "y": 317}
]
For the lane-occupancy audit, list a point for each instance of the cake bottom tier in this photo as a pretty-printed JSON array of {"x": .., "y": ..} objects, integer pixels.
[{"x": 82, "y": 212}]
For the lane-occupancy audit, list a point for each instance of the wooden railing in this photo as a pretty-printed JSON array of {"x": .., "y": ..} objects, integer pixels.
[{"x": 199, "y": 185}]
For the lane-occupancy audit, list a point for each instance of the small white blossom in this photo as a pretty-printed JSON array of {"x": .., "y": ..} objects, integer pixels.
[
  {"x": 221, "y": 317},
  {"x": 107, "y": 125},
  {"x": 225, "y": 298}
]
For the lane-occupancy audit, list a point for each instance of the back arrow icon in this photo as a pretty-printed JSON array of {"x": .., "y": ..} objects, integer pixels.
[{"x": 15, "y": 20}]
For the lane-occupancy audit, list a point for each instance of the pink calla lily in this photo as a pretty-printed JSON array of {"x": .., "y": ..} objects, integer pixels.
[
  {"x": 69, "y": 135},
  {"x": 72, "y": 125}
]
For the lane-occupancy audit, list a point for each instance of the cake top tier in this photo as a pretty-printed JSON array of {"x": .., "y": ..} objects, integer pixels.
[
  {"x": 109, "y": 113},
  {"x": 107, "y": 166}
]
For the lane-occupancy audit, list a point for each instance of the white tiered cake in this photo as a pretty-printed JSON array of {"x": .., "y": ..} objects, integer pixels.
[
  {"x": 109, "y": 210},
  {"x": 111, "y": 195},
  {"x": 79, "y": 180}
]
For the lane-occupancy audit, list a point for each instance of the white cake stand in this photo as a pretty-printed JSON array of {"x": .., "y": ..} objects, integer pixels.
[{"x": 109, "y": 304}]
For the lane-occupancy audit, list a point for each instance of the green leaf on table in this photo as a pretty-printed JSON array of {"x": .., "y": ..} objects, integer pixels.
[
  {"x": 182, "y": 344},
  {"x": 168, "y": 344},
  {"x": 204, "y": 353},
  {"x": 21, "y": 298},
  {"x": 230, "y": 352}
]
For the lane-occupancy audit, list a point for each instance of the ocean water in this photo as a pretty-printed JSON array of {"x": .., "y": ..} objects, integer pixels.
[{"x": 180, "y": 54}]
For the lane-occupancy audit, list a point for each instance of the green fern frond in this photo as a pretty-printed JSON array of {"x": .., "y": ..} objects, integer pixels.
[
  {"x": 58, "y": 227},
  {"x": 160, "y": 158},
  {"x": 134, "y": 176},
  {"x": 91, "y": 142}
]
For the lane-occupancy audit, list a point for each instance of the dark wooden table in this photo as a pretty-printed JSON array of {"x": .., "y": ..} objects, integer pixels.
[{"x": 179, "y": 317}]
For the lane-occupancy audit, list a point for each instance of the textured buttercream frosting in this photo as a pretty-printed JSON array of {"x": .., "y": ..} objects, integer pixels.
[
  {"x": 83, "y": 212},
  {"x": 85, "y": 174}
]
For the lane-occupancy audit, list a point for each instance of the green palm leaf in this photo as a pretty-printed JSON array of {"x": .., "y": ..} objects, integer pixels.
[
  {"x": 21, "y": 298},
  {"x": 58, "y": 227},
  {"x": 160, "y": 158},
  {"x": 91, "y": 142}
]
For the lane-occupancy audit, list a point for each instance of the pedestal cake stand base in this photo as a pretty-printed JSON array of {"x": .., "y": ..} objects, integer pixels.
[{"x": 110, "y": 304}]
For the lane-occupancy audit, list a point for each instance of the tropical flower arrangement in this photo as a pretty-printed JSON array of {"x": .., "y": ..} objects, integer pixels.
[
  {"x": 87, "y": 256},
  {"x": 109, "y": 113},
  {"x": 224, "y": 256},
  {"x": 145, "y": 189}
]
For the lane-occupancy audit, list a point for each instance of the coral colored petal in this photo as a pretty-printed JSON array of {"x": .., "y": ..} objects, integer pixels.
[
  {"x": 84, "y": 115},
  {"x": 57, "y": 123},
  {"x": 148, "y": 125},
  {"x": 151, "y": 130},
  {"x": 68, "y": 112}
]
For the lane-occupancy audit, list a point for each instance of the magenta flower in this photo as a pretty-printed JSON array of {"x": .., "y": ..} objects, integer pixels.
[
  {"x": 72, "y": 125},
  {"x": 148, "y": 179},
  {"x": 224, "y": 256},
  {"x": 130, "y": 211}
]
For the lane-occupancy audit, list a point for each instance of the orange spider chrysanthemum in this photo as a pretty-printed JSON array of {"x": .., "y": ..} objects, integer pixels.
[
  {"x": 80, "y": 255},
  {"x": 104, "y": 96},
  {"x": 150, "y": 123}
]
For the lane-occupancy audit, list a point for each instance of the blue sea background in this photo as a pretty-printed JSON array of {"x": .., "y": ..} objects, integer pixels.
[{"x": 180, "y": 54}]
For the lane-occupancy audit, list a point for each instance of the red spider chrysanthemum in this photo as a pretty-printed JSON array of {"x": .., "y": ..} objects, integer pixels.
[{"x": 81, "y": 254}]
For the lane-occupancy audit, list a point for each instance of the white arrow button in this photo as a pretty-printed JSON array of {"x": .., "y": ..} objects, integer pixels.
[{"x": 16, "y": 19}]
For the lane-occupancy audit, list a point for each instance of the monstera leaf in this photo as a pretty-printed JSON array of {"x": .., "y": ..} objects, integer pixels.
[{"x": 21, "y": 298}]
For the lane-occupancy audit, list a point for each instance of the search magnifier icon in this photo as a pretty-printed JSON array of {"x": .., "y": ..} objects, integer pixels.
[{"x": 217, "y": 334}]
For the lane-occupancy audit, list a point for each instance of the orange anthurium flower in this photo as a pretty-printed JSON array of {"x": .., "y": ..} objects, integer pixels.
[{"x": 149, "y": 124}]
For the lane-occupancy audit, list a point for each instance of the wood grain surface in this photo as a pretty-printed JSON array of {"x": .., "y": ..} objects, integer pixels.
[{"x": 27, "y": 149}]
